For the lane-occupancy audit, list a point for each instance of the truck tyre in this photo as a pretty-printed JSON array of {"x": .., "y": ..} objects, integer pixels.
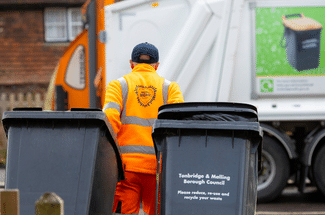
[
  {"x": 275, "y": 172},
  {"x": 318, "y": 169}
]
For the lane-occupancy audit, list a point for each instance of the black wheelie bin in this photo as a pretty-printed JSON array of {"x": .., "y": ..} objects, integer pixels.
[
  {"x": 72, "y": 153},
  {"x": 208, "y": 157}
]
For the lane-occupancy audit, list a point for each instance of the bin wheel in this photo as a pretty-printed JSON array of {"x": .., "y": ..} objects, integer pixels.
[
  {"x": 318, "y": 169},
  {"x": 275, "y": 172}
]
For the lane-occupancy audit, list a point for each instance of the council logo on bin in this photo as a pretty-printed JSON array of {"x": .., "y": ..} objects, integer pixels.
[{"x": 267, "y": 85}]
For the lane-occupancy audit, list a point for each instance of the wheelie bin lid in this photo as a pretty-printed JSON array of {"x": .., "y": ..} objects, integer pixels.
[
  {"x": 229, "y": 116},
  {"x": 212, "y": 110},
  {"x": 208, "y": 115},
  {"x": 34, "y": 114},
  {"x": 95, "y": 116},
  {"x": 38, "y": 114},
  {"x": 301, "y": 23}
]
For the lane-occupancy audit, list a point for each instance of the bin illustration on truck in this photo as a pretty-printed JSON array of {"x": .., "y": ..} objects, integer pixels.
[{"x": 302, "y": 36}]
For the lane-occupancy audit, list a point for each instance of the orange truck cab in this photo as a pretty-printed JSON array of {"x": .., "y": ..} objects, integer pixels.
[{"x": 80, "y": 74}]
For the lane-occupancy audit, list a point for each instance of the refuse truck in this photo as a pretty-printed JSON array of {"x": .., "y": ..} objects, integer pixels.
[{"x": 267, "y": 53}]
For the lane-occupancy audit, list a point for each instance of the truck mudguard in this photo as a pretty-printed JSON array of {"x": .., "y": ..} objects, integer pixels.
[
  {"x": 310, "y": 147},
  {"x": 283, "y": 138}
]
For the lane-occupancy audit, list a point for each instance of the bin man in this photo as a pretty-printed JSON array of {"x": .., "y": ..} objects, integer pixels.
[{"x": 131, "y": 105}]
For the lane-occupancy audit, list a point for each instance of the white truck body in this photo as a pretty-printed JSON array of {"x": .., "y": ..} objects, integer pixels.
[{"x": 209, "y": 47}]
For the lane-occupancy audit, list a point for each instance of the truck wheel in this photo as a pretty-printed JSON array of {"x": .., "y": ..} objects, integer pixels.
[
  {"x": 275, "y": 173},
  {"x": 318, "y": 170}
]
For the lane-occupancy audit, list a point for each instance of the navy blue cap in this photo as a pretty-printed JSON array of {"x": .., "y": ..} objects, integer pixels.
[{"x": 145, "y": 49}]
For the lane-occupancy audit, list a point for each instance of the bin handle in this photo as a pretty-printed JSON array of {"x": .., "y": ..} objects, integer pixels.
[
  {"x": 281, "y": 41},
  {"x": 301, "y": 15}
]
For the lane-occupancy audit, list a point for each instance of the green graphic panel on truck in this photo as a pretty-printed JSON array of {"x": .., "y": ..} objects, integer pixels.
[{"x": 272, "y": 58}]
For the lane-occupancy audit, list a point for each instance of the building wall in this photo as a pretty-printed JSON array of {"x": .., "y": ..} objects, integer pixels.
[{"x": 24, "y": 56}]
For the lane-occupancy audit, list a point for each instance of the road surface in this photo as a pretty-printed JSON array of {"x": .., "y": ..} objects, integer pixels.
[{"x": 291, "y": 202}]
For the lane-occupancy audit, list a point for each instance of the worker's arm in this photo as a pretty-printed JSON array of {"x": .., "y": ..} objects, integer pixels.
[
  {"x": 113, "y": 104},
  {"x": 174, "y": 94}
]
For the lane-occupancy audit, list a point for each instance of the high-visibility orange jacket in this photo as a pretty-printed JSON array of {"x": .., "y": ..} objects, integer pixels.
[{"x": 131, "y": 106}]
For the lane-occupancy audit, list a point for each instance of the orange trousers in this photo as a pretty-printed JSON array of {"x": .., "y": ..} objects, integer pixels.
[{"x": 130, "y": 192}]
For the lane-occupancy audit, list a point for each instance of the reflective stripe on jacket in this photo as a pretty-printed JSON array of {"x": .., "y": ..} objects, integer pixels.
[{"x": 131, "y": 105}]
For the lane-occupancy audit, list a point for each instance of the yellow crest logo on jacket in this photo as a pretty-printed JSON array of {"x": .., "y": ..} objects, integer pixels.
[{"x": 145, "y": 95}]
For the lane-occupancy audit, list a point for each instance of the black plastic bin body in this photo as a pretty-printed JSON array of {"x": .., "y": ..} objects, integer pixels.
[
  {"x": 207, "y": 167},
  {"x": 302, "y": 45},
  {"x": 69, "y": 153}
]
